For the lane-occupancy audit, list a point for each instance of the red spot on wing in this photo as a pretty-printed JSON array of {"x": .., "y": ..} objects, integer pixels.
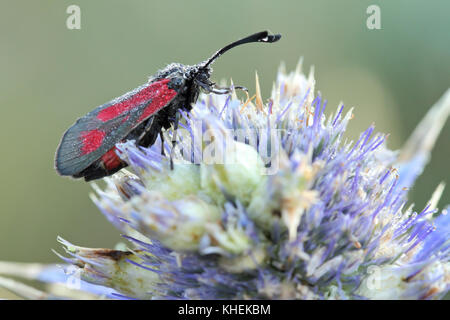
[
  {"x": 92, "y": 140},
  {"x": 157, "y": 92},
  {"x": 110, "y": 159},
  {"x": 159, "y": 101}
]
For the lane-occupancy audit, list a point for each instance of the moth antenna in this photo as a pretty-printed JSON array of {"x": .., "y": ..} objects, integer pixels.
[{"x": 262, "y": 36}]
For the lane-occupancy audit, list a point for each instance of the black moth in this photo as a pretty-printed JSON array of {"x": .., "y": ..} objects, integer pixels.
[{"x": 87, "y": 148}]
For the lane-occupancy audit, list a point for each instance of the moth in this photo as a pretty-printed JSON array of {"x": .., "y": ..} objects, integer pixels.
[{"x": 88, "y": 148}]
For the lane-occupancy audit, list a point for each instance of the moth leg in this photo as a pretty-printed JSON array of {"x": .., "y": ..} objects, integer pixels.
[
  {"x": 205, "y": 86},
  {"x": 174, "y": 137},
  {"x": 212, "y": 88},
  {"x": 150, "y": 133},
  {"x": 220, "y": 90},
  {"x": 146, "y": 129},
  {"x": 241, "y": 88},
  {"x": 229, "y": 89},
  {"x": 161, "y": 135}
]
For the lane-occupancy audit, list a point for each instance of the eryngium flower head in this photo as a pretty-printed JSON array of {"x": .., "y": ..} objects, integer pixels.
[{"x": 269, "y": 200}]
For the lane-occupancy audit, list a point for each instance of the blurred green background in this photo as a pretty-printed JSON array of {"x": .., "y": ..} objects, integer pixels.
[{"x": 50, "y": 76}]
